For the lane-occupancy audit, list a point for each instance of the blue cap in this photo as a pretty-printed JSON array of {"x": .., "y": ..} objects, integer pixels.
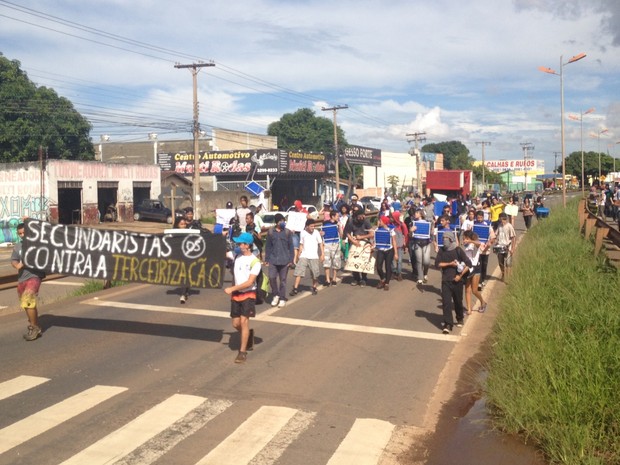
[{"x": 244, "y": 238}]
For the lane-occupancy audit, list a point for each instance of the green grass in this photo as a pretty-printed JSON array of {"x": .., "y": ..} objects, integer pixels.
[
  {"x": 554, "y": 370},
  {"x": 92, "y": 285}
]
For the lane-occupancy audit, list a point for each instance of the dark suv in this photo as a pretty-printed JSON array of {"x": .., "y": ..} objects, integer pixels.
[{"x": 152, "y": 210}]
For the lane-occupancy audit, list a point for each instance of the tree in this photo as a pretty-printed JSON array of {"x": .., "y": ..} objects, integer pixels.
[
  {"x": 303, "y": 130},
  {"x": 455, "y": 154},
  {"x": 590, "y": 162},
  {"x": 32, "y": 116}
]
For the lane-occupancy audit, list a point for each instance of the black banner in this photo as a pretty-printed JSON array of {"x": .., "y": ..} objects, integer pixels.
[
  {"x": 188, "y": 260},
  {"x": 358, "y": 155}
]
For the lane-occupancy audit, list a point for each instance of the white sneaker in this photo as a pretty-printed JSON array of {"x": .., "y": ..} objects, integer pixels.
[
  {"x": 182, "y": 299},
  {"x": 425, "y": 278},
  {"x": 275, "y": 301},
  {"x": 282, "y": 303}
]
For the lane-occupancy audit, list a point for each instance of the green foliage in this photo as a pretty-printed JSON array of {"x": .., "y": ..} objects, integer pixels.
[
  {"x": 490, "y": 177},
  {"x": 93, "y": 285},
  {"x": 590, "y": 163},
  {"x": 303, "y": 130},
  {"x": 455, "y": 154},
  {"x": 553, "y": 372},
  {"x": 32, "y": 116}
]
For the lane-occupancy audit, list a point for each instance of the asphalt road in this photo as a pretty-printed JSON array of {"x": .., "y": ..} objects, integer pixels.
[{"x": 130, "y": 375}]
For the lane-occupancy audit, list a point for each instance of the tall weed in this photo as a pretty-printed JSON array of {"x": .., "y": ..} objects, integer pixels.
[{"x": 554, "y": 371}]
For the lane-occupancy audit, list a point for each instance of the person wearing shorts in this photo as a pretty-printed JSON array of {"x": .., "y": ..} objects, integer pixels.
[
  {"x": 311, "y": 255},
  {"x": 246, "y": 268},
  {"x": 28, "y": 284}
]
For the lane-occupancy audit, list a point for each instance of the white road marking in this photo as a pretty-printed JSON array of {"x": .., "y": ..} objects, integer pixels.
[
  {"x": 280, "y": 320},
  {"x": 250, "y": 437},
  {"x": 38, "y": 423},
  {"x": 56, "y": 282},
  {"x": 2, "y": 307},
  {"x": 127, "y": 438},
  {"x": 364, "y": 443},
  {"x": 21, "y": 383}
]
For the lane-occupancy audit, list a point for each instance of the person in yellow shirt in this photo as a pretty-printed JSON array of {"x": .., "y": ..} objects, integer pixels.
[{"x": 497, "y": 207}]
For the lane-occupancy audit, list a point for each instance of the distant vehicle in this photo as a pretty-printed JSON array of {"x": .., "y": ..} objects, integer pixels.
[
  {"x": 368, "y": 199},
  {"x": 312, "y": 210},
  {"x": 268, "y": 218},
  {"x": 368, "y": 205},
  {"x": 153, "y": 210}
]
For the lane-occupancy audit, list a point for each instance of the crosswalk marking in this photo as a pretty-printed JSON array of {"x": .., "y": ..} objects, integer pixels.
[
  {"x": 281, "y": 320},
  {"x": 152, "y": 450},
  {"x": 21, "y": 383},
  {"x": 127, "y": 438},
  {"x": 250, "y": 437},
  {"x": 38, "y": 423},
  {"x": 364, "y": 444}
]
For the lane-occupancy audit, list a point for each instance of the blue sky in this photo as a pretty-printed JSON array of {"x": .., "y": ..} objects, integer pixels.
[{"x": 462, "y": 71}]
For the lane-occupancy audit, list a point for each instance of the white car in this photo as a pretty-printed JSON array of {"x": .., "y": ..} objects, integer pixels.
[
  {"x": 312, "y": 210},
  {"x": 268, "y": 217}
]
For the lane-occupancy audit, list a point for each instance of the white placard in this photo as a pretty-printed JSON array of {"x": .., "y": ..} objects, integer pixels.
[
  {"x": 224, "y": 215},
  {"x": 296, "y": 221},
  {"x": 361, "y": 258}
]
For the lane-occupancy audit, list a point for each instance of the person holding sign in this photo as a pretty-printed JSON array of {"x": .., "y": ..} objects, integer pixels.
[
  {"x": 454, "y": 265},
  {"x": 421, "y": 236},
  {"x": 243, "y": 293},
  {"x": 28, "y": 284},
  {"x": 386, "y": 250},
  {"x": 486, "y": 235},
  {"x": 358, "y": 230},
  {"x": 331, "y": 238},
  {"x": 472, "y": 246}
]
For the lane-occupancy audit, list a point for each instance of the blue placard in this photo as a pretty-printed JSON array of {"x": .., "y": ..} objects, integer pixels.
[
  {"x": 438, "y": 208},
  {"x": 483, "y": 232},
  {"x": 330, "y": 233},
  {"x": 383, "y": 239},
  {"x": 422, "y": 230},
  {"x": 439, "y": 235},
  {"x": 542, "y": 211},
  {"x": 254, "y": 188}
]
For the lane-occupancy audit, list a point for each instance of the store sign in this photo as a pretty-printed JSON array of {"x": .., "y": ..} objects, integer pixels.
[
  {"x": 223, "y": 163},
  {"x": 512, "y": 165},
  {"x": 358, "y": 155}
]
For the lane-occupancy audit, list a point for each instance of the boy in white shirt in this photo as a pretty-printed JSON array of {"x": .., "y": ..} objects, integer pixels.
[
  {"x": 246, "y": 268},
  {"x": 311, "y": 255}
]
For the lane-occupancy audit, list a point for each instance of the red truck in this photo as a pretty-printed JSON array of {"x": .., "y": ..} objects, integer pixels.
[{"x": 449, "y": 182}]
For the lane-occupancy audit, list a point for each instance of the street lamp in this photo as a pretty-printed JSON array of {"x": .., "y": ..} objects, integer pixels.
[
  {"x": 598, "y": 136},
  {"x": 561, "y": 74},
  {"x": 574, "y": 117}
]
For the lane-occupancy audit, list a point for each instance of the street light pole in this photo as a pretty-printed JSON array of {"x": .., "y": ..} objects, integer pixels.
[
  {"x": 561, "y": 74},
  {"x": 598, "y": 136},
  {"x": 573, "y": 117}
]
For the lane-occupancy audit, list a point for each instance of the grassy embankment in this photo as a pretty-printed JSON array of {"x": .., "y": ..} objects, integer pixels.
[{"x": 554, "y": 368}]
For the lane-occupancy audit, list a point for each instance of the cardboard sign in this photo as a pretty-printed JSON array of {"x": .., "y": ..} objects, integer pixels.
[
  {"x": 296, "y": 221},
  {"x": 511, "y": 210},
  {"x": 224, "y": 215},
  {"x": 361, "y": 258}
]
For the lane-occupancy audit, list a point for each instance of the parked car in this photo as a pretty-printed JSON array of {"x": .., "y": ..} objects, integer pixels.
[
  {"x": 154, "y": 210},
  {"x": 268, "y": 217},
  {"x": 312, "y": 210},
  {"x": 370, "y": 200}
]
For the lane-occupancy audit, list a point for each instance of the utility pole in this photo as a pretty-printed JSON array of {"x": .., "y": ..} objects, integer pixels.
[
  {"x": 484, "y": 143},
  {"x": 526, "y": 146},
  {"x": 335, "y": 110},
  {"x": 195, "y": 68},
  {"x": 416, "y": 152}
]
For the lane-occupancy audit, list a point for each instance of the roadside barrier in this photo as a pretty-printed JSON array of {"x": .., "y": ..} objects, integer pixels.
[{"x": 589, "y": 223}]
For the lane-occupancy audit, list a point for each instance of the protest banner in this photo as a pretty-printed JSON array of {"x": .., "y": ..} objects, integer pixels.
[
  {"x": 188, "y": 260},
  {"x": 361, "y": 258}
]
